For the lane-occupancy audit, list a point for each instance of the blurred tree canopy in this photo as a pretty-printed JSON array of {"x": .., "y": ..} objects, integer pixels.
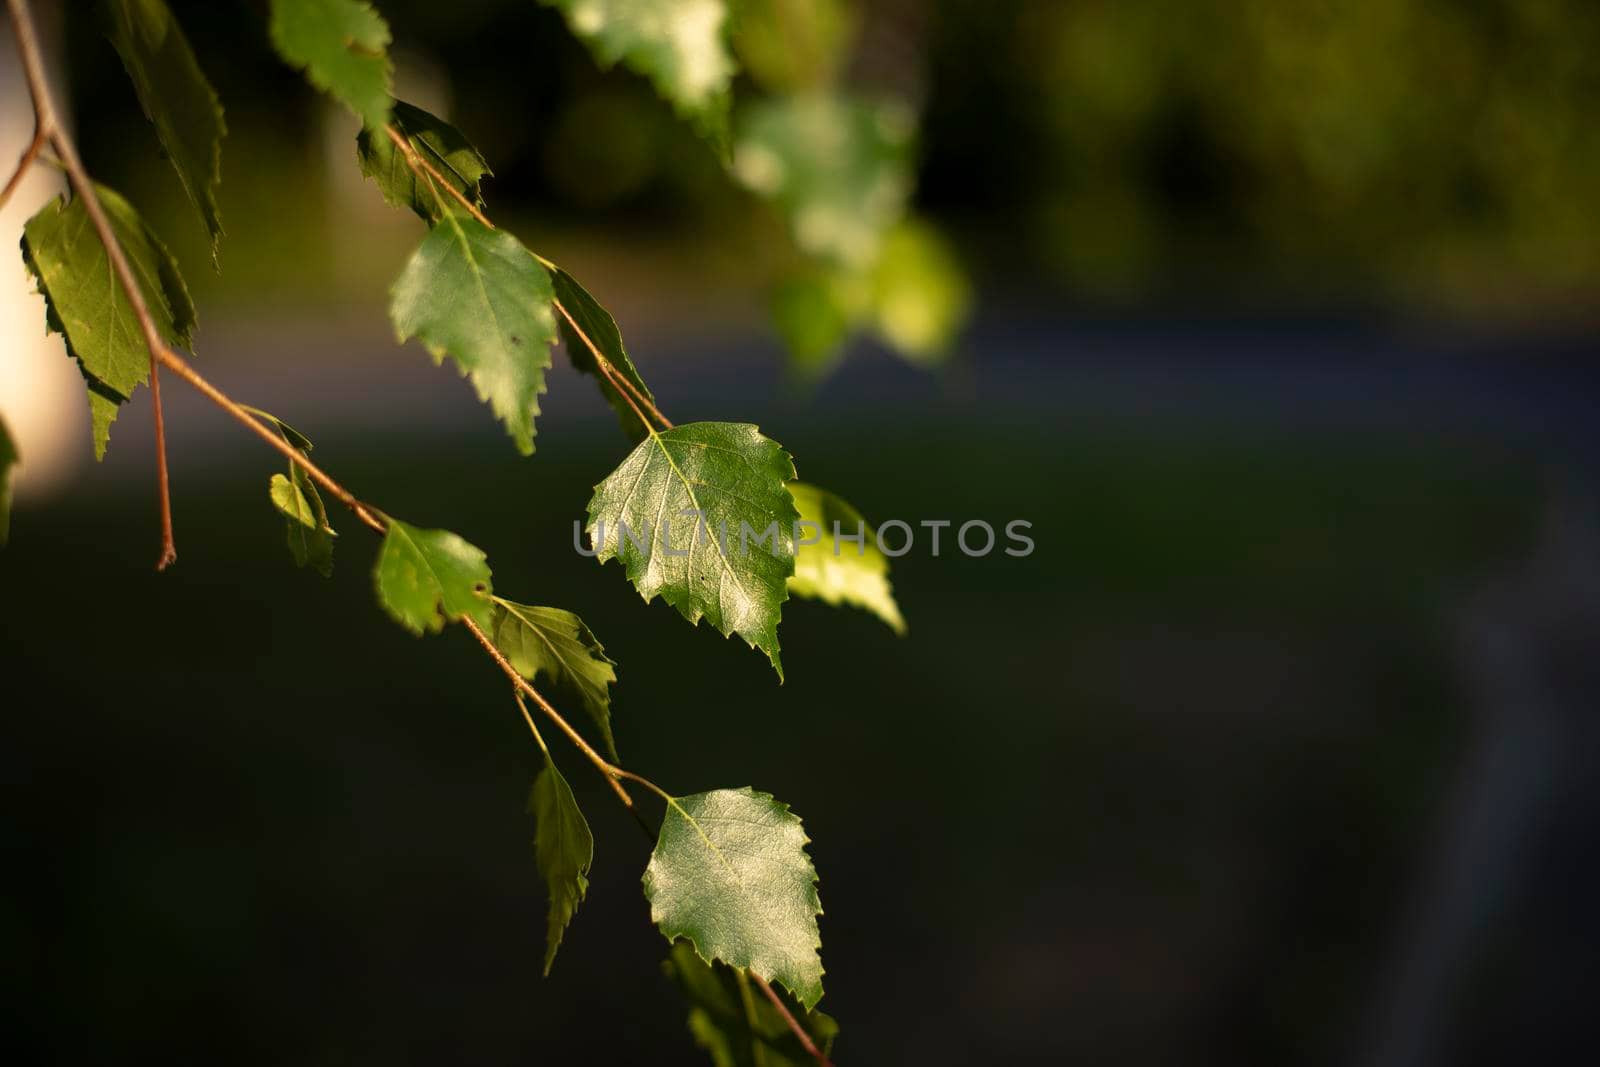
[{"x": 1423, "y": 153}]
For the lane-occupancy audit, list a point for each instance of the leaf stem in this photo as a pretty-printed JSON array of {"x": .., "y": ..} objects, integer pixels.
[
  {"x": 607, "y": 770},
  {"x": 47, "y": 125},
  {"x": 28, "y": 157},
  {"x": 528, "y": 718}
]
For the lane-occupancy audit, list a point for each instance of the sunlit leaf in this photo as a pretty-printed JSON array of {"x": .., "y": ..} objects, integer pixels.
[
  {"x": 730, "y": 873},
  {"x": 678, "y": 44},
  {"x": 683, "y": 513},
  {"x": 427, "y": 577},
  {"x": 564, "y": 848},
  {"x": 735, "y": 1023},
  {"x": 342, "y": 45},
  {"x": 557, "y": 644},
  {"x": 920, "y": 294},
  {"x": 836, "y": 569},
  {"x": 476, "y": 295},
  {"x": 177, "y": 99},
  {"x": 600, "y": 329},
  {"x": 436, "y": 142},
  {"x": 87, "y": 306}
]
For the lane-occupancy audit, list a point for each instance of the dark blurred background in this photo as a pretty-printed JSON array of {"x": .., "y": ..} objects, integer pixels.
[{"x": 1280, "y": 747}]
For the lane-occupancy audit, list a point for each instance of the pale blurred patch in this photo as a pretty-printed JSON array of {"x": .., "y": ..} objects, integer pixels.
[{"x": 41, "y": 391}]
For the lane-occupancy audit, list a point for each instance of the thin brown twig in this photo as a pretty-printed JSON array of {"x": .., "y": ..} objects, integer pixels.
[
  {"x": 794, "y": 1024},
  {"x": 607, "y": 771},
  {"x": 40, "y": 137},
  {"x": 618, "y": 380},
  {"x": 47, "y": 124}
]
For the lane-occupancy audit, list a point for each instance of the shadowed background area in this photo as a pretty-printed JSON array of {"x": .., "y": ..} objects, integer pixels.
[{"x": 1279, "y": 748}]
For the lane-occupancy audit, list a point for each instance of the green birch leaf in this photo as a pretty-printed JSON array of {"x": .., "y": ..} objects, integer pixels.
[
  {"x": 735, "y": 1023},
  {"x": 557, "y": 644},
  {"x": 564, "y": 848},
  {"x": 72, "y": 272},
  {"x": 476, "y": 295},
  {"x": 680, "y": 45},
  {"x": 342, "y": 45},
  {"x": 598, "y": 326},
  {"x": 427, "y": 577},
  {"x": 920, "y": 295},
  {"x": 309, "y": 536},
  {"x": 833, "y": 569},
  {"x": 308, "y": 532},
  {"x": 679, "y": 497},
  {"x": 8, "y": 460},
  {"x": 177, "y": 99},
  {"x": 730, "y": 873},
  {"x": 434, "y": 140},
  {"x": 839, "y": 168}
]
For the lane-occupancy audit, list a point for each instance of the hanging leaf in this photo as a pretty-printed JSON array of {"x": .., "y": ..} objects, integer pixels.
[
  {"x": 678, "y": 44},
  {"x": 684, "y": 513},
  {"x": 476, "y": 295},
  {"x": 310, "y": 536},
  {"x": 815, "y": 313},
  {"x": 87, "y": 306},
  {"x": 434, "y": 140},
  {"x": 564, "y": 848},
  {"x": 839, "y": 168},
  {"x": 835, "y": 570},
  {"x": 342, "y": 45},
  {"x": 735, "y": 1023},
  {"x": 601, "y": 329},
  {"x": 557, "y": 644},
  {"x": 428, "y": 577},
  {"x": 177, "y": 99},
  {"x": 730, "y": 873},
  {"x": 920, "y": 294},
  {"x": 8, "y": 460}
]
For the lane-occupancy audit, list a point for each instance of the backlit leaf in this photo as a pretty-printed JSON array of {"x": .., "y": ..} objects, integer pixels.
[
  {"x": 564, "y": 848},
  {"x": 684, "y": 513},
  {"x": 678, "y": 44},
  {"x": 735, "y": 1023},
  {"x": 601, "y": 329},
  {"x": 436, "y": 142},
  {"x": 177, "y": 99},
  {"x": 557, "y": 644},
  {"x": 342, "y": 45},
  {"x": 476, "y": 295},
  {"x": 309, "y": 535},
  {"x": 82, "y": 301},
  {"x": 427, "y": 577},
  {"x": 730, "y": 873},
  {"x": 833, "y": 569}
]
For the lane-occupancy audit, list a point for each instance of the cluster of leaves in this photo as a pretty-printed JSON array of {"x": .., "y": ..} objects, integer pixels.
[{"x": 729, "y": 882}]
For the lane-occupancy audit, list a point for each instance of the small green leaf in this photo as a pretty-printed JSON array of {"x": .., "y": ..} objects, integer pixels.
[
  {"x": 599, "y": 327},
  {"x": 477, "y": 295},
  {"x": 736, "y": 1025},
  {"x": 678, "y": 44},
  {"x": 177, "y": 99},
  {"x": 428, "y": 577},
  {"x": 814, "y": 314},
  {"x": 679, "y": 497},
  {"x": 434, "y": 140},
  {"x": 85, "y": 303},
  {"x": 309, "y": 535},
  {"x": 564, "y": 848},
  {"x": 837, "y": 569},
  {"x": 342, "y": 45},
  {"x": 839, "y": 168},
  {"x": 558, "y": 644},
  {"x": 730, "y": 873},
  {"x": 8, "y": 460}
]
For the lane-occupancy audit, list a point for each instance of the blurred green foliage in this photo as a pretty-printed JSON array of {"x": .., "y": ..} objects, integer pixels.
[{"x": 1428, "y": 149}]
